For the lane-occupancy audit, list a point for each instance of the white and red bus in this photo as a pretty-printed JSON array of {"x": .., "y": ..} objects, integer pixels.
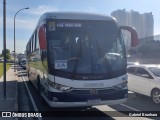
[{"x": 79, "y": 59}]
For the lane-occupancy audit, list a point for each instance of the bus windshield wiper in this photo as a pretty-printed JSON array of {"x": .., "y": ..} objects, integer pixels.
[
  {"x": 77, "y": 60},
  {"x": 107, "y": 63}
]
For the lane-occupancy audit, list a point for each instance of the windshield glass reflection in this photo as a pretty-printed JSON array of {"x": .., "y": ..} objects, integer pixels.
[
  {"x": 155, "y": 71},
  {"x": 93, "y": 48}
]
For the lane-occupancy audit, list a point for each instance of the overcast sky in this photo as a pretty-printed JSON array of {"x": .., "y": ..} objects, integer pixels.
[{"x": 26, "y": 20}]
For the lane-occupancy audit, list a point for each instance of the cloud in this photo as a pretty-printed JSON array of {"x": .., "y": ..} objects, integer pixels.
[
  {"x": 25, "y": 24},
  {"x": 42, "y": 9},
  {"x": 20, "y": 48},
  {"x": 91, "y": 9},
  {"x": 1, "y": 22},
  {"x": 156, "y": 31}
]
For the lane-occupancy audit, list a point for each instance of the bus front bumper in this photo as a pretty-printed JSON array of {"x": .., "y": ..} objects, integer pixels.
[
  {"x": 83, "y": 104},
  {"x": 77, "y": 100}
]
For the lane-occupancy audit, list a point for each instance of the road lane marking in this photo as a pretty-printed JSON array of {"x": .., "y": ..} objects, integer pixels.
[
  {"x": 130, "y": 107},
  {"x": 32, "y": 100},
  {"x": 130, "y": 91},
  {"x": 119, "y": 116},
  {"x": 103, "y": 108},
  {"x": 111, "y": 113}
]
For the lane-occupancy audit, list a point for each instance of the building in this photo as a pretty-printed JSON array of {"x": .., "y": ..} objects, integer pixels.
[
  {"x": 121, "y": 16},
  {"x": 135, "y": 20},
  {"x": 143, "y": 23},
  {"x": 148, "y": 24}
]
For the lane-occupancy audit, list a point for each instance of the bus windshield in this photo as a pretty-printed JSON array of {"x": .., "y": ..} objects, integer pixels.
[{"x": 85, "y": 47}]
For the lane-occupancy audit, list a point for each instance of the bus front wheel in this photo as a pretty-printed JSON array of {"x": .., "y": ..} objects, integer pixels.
[{"x": 39, "y": 91}]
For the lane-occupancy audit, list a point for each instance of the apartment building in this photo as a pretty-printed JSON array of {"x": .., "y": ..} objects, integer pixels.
[{"x": 143, "y": 23}]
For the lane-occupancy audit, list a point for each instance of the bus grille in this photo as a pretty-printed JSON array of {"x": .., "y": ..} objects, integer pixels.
[{"x": 87, "y": 92}]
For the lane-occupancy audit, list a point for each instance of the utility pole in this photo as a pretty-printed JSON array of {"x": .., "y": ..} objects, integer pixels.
[
  {"x": 4, "y": 49},
  {"x": 15, "y": 36}
]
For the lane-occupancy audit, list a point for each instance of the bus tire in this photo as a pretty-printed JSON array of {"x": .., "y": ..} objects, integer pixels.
[
  {"x": 39, "y": 86},
  {"x": 39, "y": 91},
  {"x": 28, "y": 75}
]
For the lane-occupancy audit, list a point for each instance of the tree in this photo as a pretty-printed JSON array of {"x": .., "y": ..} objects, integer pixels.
[{"x": 8, "y": 55}]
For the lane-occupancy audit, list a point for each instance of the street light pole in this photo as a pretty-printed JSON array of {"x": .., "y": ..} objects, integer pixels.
[
  {"x": 14, "y": 37},
  {"x": 4, "y": 49}
]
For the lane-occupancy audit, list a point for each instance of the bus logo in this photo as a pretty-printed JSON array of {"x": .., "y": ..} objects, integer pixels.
[
  {"x": 52, "y": 26},
  {"x": 94, "y": 92}
]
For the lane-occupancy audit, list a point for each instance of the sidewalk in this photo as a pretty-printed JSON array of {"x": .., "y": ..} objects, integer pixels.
[{"x": 11, "y": 102}]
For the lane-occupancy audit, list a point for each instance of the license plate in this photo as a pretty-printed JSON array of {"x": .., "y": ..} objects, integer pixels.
[{"x": 92, "y": 101}]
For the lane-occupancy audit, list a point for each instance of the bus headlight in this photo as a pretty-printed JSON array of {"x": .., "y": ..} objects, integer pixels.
[
  {"x": 121, "y": 85},
  {"x": 61, "y": 87},
  {"x": 58, "y": 86}
]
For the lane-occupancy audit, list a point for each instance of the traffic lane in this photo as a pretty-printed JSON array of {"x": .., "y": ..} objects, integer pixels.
[
  {"x": 81, "y": 113},
  {"x": 143, "y": 103},
  {"x": 78, "y": 118},
  {"x": 137, "y": 103},
  {"x": 23, "y": 98},
  {"x": 133, "y": 102},
  {"x": 43, "y": 106}
]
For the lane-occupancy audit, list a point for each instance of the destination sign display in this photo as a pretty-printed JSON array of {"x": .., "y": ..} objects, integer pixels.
[{"x": 69, "y": 25}]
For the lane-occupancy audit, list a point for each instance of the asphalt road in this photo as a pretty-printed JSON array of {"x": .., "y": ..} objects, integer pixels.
[{"x": 30, "y": 101}]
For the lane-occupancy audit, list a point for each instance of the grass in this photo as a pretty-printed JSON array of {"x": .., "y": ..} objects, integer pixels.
[{"x": 1, "y": 68}]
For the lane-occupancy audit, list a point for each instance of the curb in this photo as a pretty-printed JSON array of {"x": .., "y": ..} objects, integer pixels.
[
  {"x": 12, "y": 98},
  {"x": 16, "y": 96},
  {"x": 16, "y": 99}
]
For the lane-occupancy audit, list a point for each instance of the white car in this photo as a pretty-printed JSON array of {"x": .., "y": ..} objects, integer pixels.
[{"x": 145, "y": 79}]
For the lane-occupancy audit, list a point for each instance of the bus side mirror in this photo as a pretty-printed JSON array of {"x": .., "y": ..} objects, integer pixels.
[{"x": 134, "y": 35}]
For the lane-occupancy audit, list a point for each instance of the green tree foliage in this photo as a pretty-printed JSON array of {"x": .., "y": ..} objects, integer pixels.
[{"x": 8, "y": 55}]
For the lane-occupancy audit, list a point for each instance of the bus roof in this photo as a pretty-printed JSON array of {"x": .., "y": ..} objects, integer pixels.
[{"x": 76, "y": 15}]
